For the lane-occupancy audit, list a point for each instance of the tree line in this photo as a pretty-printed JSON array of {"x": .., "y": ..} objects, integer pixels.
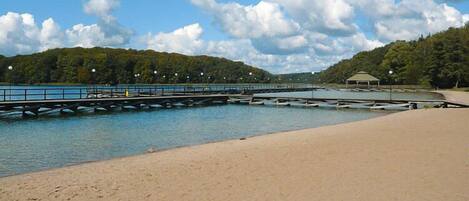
[
  {"x": 439, "y": 60},
  {"x": 120, "y": 66}
]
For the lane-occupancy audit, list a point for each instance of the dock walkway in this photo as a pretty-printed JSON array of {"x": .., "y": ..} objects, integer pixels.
[{"x": 34, "y": 102}]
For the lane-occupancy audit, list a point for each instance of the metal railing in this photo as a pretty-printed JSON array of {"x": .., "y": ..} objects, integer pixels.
[{"x": 95, "y": 92}]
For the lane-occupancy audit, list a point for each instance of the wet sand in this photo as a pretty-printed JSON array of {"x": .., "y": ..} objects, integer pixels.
[{"x": 411, "y": 155}]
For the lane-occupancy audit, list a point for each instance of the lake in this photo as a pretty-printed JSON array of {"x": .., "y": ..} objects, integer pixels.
[{"x": 28, "y": 145}]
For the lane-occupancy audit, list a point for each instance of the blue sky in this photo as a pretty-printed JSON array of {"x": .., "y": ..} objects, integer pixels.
[{"x": 277, "y": 35}]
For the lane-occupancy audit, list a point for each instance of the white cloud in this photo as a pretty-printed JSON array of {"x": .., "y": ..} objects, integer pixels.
[
  {"x": 334, "y": 17},
  {"x": 265, "y": 19},
  {"x": 101, "y": 8},
  {"x": 265, "y": 24},
  {"x": 107, "y": 32},
  {"x": 102, "y": 34},
  {"x": 19, "y": 34},
  {"x": 184, "y": 40},
  {"x": 188, "y": 40},
  {"x": 51, "y": 36},
  {"x": 408, "y": 19},
  {"x": 281, "y": 45}
]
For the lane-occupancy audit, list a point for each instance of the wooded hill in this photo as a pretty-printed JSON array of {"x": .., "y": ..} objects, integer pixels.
[
  {"x": 440, "y": 60},
  {"x": 113, "y": 66}
]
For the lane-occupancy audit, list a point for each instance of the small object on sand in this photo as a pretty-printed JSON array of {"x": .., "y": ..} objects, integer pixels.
[
  {"x": 243, "y": 138},
  {"x": 151, "y": 150}
]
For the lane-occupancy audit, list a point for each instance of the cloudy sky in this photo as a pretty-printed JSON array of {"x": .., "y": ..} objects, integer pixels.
[{"x": 277, "y": 35}]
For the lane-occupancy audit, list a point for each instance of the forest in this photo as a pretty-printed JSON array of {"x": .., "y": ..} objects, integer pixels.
[
  {"x": 440, "y": 60},
  {"x": 120, "y": 66}
]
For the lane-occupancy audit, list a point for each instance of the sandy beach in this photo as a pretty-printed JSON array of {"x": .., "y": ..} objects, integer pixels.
[
  {"x": 456, "y": 96},
  {"x": 411, "y": 155}
]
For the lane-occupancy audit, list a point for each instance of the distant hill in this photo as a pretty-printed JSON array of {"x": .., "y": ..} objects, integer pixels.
[
  {"x": 440, "y": 60},
  {"x": 113, "y": 66},
  {"x": 295, "y": 77}
]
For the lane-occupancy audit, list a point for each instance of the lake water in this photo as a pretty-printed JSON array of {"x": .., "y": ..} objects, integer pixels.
[
  {"x": 361, "y": 95},
  {"x": 28, "y": 145}
]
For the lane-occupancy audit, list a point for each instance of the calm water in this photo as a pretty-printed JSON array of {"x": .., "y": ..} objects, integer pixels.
[
  {"x": 28, "y": 145},
  {"x": 361, "y": 95},
  {"x": 36, "y": 144}
]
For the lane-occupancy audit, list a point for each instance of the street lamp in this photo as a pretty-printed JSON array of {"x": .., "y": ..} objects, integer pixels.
[
  {"x": 10, "y": 68},
  {"x": 202, "y": 77},
  {"x": 312, "y": 84},
  {"x": 93, "y": 82},
  {"x": 390, "y": 84},
  {"x": 136, "y": 75},
  {"x": 155, "y": 72}
]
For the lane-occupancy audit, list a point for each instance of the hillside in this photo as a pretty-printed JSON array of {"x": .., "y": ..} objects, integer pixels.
[
  {"x": 74, "y": 65},
  {"x": 440, "y": 60}
]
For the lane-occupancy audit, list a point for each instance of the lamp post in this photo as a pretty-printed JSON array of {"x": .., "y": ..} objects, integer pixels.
[
  {"x": 137, "y": 75},
  {"x": 390, "y": 84},
  {"x": 10, "y": 68},
  {"x": 155, "y": 73},
  {"x": 93, "y": 81},
  {"x": 176, "y": 77},
  {"x": 202, "y": 78},
  {"x": 312, "y": 84}
]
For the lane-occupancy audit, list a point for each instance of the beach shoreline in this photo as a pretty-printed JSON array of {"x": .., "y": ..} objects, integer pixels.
[{"x": 400, "y": 156}]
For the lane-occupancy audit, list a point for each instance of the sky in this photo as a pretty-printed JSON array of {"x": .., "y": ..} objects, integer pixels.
[{"x": 281, "y": 36}]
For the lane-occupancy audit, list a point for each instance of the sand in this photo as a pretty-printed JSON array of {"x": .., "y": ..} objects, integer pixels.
[
  {"x": 412, "y": 155},
  {"x": 456, "y": 96}
]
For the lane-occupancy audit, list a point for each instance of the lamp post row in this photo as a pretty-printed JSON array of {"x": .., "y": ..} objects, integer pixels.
[{"x": 137, "y": 75}]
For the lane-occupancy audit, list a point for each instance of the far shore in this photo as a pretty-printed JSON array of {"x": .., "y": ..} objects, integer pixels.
[{"x": 411, "y": 155}]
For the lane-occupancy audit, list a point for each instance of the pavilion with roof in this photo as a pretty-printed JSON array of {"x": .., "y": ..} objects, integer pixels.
[{"x": 362, "y": 77}]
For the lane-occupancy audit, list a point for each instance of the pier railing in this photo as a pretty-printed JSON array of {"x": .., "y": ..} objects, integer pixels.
[{"x": 96, "y": 92}]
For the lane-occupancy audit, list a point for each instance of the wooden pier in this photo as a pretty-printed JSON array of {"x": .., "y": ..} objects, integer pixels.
[
  {"x": 35, "y": 102},
  {"x": 38, "y": 107},
  {"x": 339, "y": 103}
]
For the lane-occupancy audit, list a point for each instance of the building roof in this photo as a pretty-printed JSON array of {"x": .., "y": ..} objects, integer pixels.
[{"x": 362, "y": 76}]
